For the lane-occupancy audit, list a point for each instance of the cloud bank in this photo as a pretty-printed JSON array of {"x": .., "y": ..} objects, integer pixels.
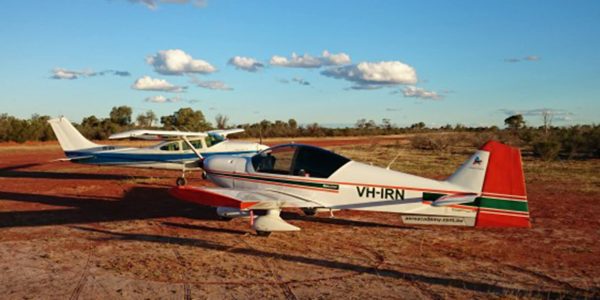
[
  {"x": 61, "y": 73},
  {"x": 153, "y": 4},
  {"x": 557, "y": 114},
  {"x": 212, "y": 84},
  {"x": 526, "y": 58},
  {"x": 309, "y": 61}
]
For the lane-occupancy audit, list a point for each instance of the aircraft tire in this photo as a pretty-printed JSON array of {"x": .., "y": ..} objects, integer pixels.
[
  {"x": 309, "y": 211},
  {"x": 263, "y": 233},
  {"x": 181, "y": 181}
]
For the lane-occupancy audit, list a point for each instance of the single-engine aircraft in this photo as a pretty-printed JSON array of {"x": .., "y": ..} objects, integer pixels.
[
  {"x": 178, "y": 150},
  {"x": 488, "y": 190}
]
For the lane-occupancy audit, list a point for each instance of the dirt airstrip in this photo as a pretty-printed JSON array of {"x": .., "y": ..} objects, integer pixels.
[{"x": 85, "y": 232}]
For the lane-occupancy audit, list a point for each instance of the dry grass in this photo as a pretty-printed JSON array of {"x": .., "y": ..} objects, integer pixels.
[{"x": 580, "y": 175}]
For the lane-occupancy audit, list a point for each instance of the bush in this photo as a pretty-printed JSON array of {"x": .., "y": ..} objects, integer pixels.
[
  {"x": 438, "y": 142},
  {"x": 547, "y": 150}
]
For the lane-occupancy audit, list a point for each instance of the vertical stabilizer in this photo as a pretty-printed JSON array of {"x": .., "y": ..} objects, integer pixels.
[
  {"x": 69, "y": 138},
  {"x": 503, "y": 201},
  {"x": 472, "y": 173}
]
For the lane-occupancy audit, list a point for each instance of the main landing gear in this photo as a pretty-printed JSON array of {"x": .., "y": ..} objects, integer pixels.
[{"x": 181, "y": 181}]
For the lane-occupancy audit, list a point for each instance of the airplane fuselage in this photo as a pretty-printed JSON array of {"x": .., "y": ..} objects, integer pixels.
[{"x": 354, "y": 186}]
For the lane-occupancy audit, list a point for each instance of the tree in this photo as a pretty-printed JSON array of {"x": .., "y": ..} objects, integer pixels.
[
  {"x": 221, "y": 121},
  {"x": 146, "y": 119},
  {"x": 418, "y": 126},
  {"x": 547, "y": 117},
  {"x": 387, "y": 124},
  {"x": 515, "y": 122},
  {"x": 121, "y": 115},
  {"x": 186, "y": 119}
]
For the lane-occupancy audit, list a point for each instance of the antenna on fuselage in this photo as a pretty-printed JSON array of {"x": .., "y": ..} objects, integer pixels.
[{"x": 391, "y": 162}]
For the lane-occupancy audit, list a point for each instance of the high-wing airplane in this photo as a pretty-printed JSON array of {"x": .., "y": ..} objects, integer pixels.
[
  {"x": 488, "y": 190},
  {"x": 178, "y": 150}
]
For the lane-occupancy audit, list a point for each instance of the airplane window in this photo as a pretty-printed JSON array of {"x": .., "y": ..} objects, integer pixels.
[
  {"x": 211, "y": 141},
  {"x": 316, "y": 162},
  {"x": 170, "y": 147},
  {"x": 196, "y": 143},
  {"x": 277, "y": 160}
]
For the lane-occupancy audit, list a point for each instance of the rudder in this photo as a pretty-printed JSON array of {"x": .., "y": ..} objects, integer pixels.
[{"x": 503, "y": 201}]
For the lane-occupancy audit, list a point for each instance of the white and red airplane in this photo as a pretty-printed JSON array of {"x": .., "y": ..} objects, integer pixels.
[{"x": 488, "y": 190}]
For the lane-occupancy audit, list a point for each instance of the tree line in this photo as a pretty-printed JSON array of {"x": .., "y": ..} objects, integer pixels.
[{"x": 546, "y": 141}]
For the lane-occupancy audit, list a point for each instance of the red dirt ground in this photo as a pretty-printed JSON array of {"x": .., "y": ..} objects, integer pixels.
[{"x": 77, "y": 231}]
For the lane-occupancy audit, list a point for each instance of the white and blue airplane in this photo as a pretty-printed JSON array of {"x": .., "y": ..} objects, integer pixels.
[{"x": 178, "y": 150}]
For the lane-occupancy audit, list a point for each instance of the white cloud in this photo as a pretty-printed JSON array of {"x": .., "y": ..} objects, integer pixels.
[
  {"x": 162, "y": 99},
  {"x": 329, "y": 59},
  {"x": 372, "y": 75},
  {"x": 417, "y": 92},
  {"x": 297, "y": 80},
  {"x": 212, "y": 84},
  {"x": 300, "y": 81},
  {"x": 153, "y": 4},
  {"x": 245, "y": 63},
  {"x": 526, "y": 58},
  {"x": 177, "y": 62},
  {"x": 60, "y": 73},
  {"x": 532, "y": 58},
  {"x": 148, "y": 83},
  {"x": 309, "y": 61}
]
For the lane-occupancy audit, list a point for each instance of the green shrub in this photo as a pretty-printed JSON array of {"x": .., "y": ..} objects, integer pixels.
[{"x": 547, "y": 149}]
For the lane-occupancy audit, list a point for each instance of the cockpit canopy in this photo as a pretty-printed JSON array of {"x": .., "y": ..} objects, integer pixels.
[{"x": 298, "y": 160}]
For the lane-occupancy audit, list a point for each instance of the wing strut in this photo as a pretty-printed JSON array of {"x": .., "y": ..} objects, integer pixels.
[{"x": 185, "y": 139}]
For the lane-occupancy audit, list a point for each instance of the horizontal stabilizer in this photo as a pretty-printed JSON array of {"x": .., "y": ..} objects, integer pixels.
[
  {"x": 454, "y": 199},
  {"x": 75, "y": 158},
  {"x": 223, "y": 133}
]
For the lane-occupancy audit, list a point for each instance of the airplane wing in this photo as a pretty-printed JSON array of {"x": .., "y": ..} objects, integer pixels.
[
  {"x": 239, "y": 199},
  {"x": 223, "y": 133},
  {"x": 155, "y": 134}
]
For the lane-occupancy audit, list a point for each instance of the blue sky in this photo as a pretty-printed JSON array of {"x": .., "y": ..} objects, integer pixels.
[{"x": 468, "y": 62}]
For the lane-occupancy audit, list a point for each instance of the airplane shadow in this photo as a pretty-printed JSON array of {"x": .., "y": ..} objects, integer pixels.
[
  {"x": 204, "y": 228},
  {"x": 17, "y": 172},
  {"x": 332, "y": 264},
  {"x": 140, "y": 202},
  {"x": 137, "y": 204},
  {"x": 340, "y": 221}
]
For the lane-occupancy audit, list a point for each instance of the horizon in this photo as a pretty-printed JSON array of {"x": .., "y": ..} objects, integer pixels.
[{"x": 464, "y": 62}]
